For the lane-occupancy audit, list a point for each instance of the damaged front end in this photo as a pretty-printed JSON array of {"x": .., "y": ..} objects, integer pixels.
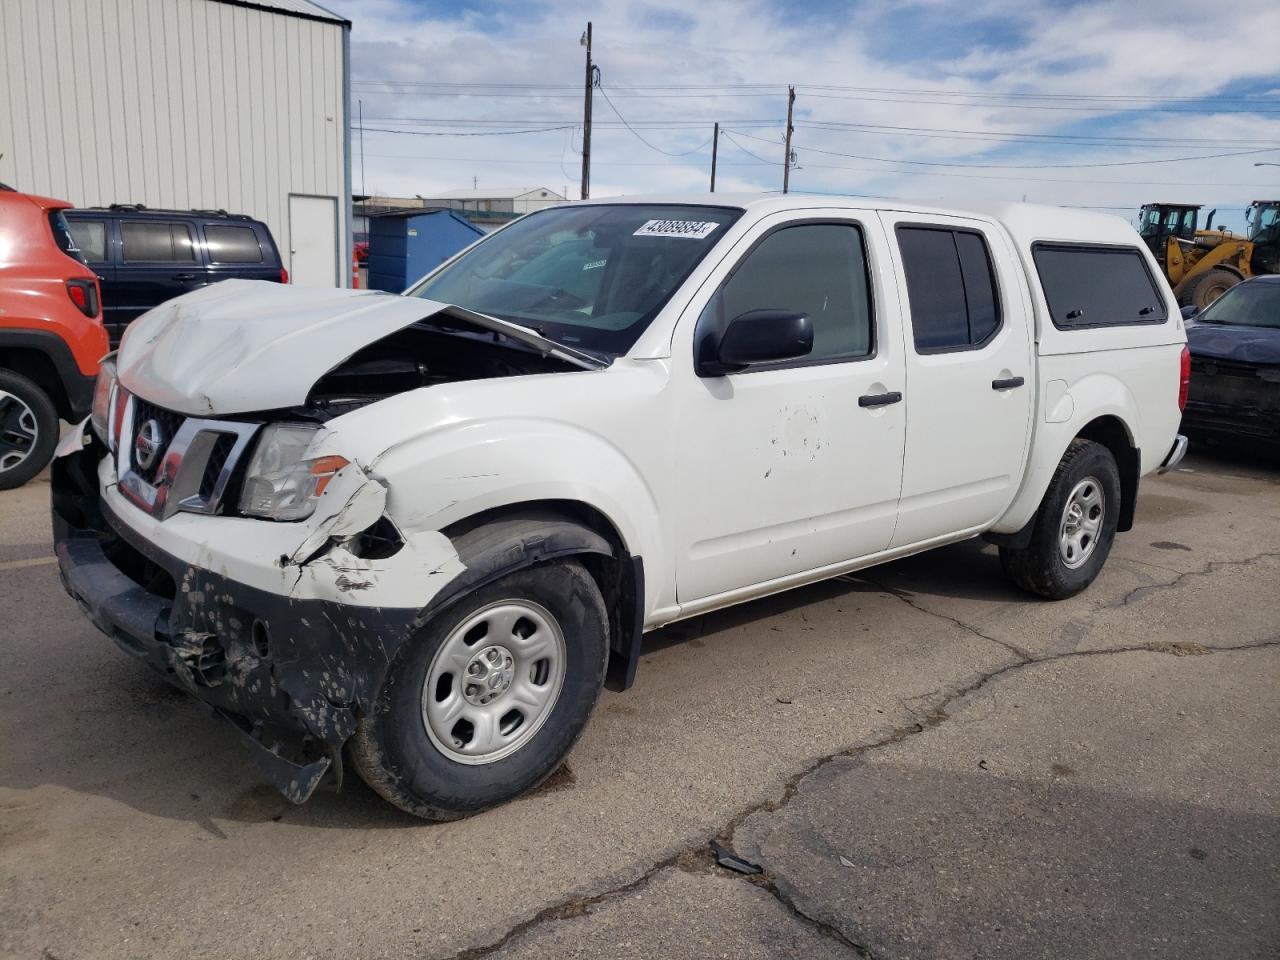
[{"x": 291, "y": 664}]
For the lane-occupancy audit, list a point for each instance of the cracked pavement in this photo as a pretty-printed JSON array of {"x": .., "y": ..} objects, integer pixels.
[{"x": 925, "y": 762}]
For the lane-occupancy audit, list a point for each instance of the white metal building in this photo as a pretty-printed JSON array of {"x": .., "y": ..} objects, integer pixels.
[{"x": 214, "y": 104}]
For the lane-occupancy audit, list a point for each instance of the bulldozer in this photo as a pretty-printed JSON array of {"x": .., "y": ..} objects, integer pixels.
[{"x": 1203, "y": 264}]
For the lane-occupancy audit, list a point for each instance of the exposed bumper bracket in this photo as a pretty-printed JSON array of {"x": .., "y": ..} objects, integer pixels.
[{"x": 1176, "y": 453}]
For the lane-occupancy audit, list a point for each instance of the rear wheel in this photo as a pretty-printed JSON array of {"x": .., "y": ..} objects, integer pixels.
[
  {"x": 1207, "y": 287},
  {"x": 28, "y": 430},
  {"x": 490, "y": 696},
  {"x": 1074, "y": 527}
]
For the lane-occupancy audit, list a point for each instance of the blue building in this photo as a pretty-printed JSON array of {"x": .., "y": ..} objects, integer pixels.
[{"x": 406, "y": 244}]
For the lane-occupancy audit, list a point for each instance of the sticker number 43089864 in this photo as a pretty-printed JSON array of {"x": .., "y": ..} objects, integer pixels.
[{"x": 682, "y": 229}]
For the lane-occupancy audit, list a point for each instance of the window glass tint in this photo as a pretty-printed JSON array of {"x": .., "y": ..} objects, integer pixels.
[
  {"x": 935, "y": 287},
  {"x": 90, "y": 237},
  {"x": 817, "y": 269},
  {"x": 1096, "y": 286},
  {"x": 62, "y": 235},
  {"x": 153, "y": 241},
  {"x": 979, "y": 286},
  {"x": 232, "y": 244},
  {"x": 950, "y": 287}
]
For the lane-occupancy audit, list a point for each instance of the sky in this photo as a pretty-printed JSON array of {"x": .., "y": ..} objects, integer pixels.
[{"x": 1097, "y": 104}]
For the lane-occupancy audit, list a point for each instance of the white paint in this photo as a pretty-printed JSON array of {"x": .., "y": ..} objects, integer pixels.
[
  {"x": 177, "y": 103},
  {"x": 687, "y": 469},
  {"x": 313, "y": 236}
]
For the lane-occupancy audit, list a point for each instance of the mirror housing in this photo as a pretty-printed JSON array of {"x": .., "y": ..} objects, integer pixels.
[{"x": 757, "y": 336}]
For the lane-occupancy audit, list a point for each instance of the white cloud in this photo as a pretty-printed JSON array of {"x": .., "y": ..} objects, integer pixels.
[{"x": 1041, "y": 47}]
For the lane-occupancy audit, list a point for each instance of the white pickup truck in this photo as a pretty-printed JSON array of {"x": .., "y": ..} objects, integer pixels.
[{"x": 427, "y": 529}]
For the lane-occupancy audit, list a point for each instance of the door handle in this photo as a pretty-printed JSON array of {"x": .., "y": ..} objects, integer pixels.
[
  {"x": 879, "y": 399},
  {"x": 184, "y": 277},
  {"x": 1008, "y": 384}
]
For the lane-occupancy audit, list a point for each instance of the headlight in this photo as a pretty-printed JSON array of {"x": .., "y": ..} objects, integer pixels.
[
  {"x": 105, "y": 389},
  {"x": 281, "y": 484}
]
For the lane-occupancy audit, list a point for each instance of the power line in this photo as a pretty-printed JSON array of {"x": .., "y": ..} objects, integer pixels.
[
  {"x": 636, "y": 133},
  {"x": 1010, "y": 136},
  {"x": 468, "y": 133},
  {"x": 1028, "y": 166}
]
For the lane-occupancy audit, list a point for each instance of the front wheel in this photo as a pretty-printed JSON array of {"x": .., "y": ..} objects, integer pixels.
[
  {"x": 1074, "y": 528},
  {"x": 490, "y": 696}
]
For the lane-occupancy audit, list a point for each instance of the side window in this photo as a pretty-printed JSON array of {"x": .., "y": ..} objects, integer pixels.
[
  {"x": 819, "y": 269},
  {"x": 1097, "y": 286},
  {"x": 232, "y": 244},
  {"x": 151, "y": 241},
  {"x": 951, "y": 288},
  {"x": 91, "y": 238}
]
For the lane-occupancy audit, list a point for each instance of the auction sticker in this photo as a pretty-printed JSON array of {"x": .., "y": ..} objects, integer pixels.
[{"x": 683, "y": 229}]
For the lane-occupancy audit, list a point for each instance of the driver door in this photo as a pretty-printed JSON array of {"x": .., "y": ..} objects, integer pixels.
[{"x": 790, "y": 467}]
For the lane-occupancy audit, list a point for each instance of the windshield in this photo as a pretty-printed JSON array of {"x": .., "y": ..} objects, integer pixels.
[
  {"x": 1246, "y": 304},
  {"x": 589, "y": 277}
]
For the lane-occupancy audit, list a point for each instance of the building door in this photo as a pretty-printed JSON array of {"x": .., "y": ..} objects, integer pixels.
[{"x": 313, "y": 241}]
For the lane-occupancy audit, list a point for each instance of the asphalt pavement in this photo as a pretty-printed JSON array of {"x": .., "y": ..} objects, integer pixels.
[{"x": 924, "y": 763}]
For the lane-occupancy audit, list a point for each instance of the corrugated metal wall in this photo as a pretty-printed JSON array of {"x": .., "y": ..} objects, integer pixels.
[{"x": 174, "y": 103}]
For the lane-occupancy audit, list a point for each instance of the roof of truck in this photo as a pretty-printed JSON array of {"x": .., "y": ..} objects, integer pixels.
[{"x": 1027, "y": 222}]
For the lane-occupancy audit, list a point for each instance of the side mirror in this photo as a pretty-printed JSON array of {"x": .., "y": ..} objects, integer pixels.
[
  {"x": 757, "y": 336},
  {"x": 1189, "y": 311}
]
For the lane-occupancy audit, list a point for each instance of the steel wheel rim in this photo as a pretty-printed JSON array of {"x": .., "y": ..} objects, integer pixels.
[
  {"x": 494, "y": 681},
  {"x": 1081, "y": 524},
  {"x": 19, "y": 431}
]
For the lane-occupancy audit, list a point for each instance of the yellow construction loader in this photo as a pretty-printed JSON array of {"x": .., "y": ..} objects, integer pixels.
[{"x": 1203, "y": 264}]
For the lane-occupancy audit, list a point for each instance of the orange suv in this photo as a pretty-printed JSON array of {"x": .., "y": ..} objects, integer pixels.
[{"x": 51, "y": 333}]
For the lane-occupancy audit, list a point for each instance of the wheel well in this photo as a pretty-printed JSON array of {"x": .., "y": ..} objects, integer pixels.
[
  {"x": 38, "y": 368},
  {"x": 1112, "y": 434},
  {"x": 618, "y": 574}
]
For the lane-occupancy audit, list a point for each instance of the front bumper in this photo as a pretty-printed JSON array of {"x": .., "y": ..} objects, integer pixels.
[
  {"x": 1244, "y": 421},
  {"x": 292, "y": 675}
]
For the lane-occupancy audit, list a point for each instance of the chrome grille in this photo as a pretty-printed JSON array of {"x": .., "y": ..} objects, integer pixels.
[{"x": 167, "y": 462}]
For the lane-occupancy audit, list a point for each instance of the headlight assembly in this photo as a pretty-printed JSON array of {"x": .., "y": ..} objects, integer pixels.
[
  {"x": 281, "y": 483},
  {"x": 108, "y": 403}
]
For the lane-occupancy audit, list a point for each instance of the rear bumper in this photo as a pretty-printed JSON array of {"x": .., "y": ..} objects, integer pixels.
[
  {"x": 1175, "y": 455},
  {"x": 291, "y": 675}
]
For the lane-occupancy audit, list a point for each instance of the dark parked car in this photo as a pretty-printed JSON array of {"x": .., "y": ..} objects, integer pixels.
[
  {"x": 144, "y": 257},
  {"x": 1235, "y": 364}
]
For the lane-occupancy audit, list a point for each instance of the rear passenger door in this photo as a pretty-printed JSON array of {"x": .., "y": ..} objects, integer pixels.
[
  {"x": 159, "y": 260},
  {"x": 969, "y": 374},
  {"x": 234, "y": 250}
]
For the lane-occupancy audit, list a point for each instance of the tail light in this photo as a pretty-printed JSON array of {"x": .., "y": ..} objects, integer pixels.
[
  {"x": 284, "y": 275},
  {"x": 84, "y": 294},
  {"x": 1184, "y": 384}
]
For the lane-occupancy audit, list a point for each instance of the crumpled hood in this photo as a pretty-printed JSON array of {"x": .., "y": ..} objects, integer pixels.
[
  {"x": 240, "y": 346},
  {"x": 1241, "y": 344}
]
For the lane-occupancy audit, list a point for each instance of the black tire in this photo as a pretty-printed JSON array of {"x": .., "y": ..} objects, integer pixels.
[
  {"x": 1207, "y": 287},
  {"x": 25, "y": 408},
  {"x": 391, "y": 749},
  {"x": 1041, "y": 567}
]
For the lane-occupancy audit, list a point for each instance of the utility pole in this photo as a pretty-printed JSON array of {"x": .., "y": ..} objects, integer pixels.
[
  {"x": 786, "y": 160},
  {"x": 360, "y": 105},
  {"x": 715, "y": 145},
  {"x": 586, "y": 117}
]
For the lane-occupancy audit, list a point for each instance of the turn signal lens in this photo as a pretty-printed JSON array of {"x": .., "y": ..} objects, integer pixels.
[{"x": 323, "y": 470}]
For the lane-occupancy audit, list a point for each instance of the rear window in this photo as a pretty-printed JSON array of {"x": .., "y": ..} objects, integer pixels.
[
  {"x": 91, "y": 237},
  {"x": 232, "y": 244},
  {"x": 156, "y": 241},
  {"x": 62, "y": 235},
  {"x": 1089, "y": 287}
]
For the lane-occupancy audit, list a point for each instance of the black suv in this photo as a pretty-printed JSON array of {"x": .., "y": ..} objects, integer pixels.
[{"x": 145, "y": 256}]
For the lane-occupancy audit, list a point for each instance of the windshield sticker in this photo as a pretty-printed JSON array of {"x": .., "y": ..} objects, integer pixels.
[
  {"x": 594, "y": 265},
  {"x": 683, "y": 229}
]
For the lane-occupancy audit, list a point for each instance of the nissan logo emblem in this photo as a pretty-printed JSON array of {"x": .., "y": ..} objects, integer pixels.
[{"x": 148, "y": 444}]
